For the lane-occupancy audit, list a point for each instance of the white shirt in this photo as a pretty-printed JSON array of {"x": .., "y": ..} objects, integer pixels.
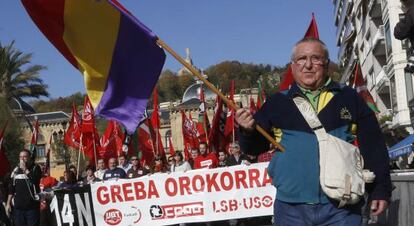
[
  {"x": 100, "y": 173},
  {"x": 183, "y": 167}
]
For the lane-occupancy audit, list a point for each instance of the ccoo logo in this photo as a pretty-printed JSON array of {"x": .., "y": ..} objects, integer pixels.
[{"x": 113, "y": 217}]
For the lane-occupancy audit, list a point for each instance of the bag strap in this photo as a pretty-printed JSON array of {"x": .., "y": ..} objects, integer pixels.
[
  {"x": 309, "y": 114},
  {"x": 315, "y": 124}
]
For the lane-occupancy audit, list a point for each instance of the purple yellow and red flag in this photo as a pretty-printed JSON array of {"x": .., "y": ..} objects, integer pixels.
[{"x": 117, "y": 54}]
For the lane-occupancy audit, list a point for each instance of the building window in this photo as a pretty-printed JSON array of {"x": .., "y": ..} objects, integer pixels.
[
  {"x": 167, "y": 141},
  {"x": 40, "y": 150},
  {"x": 388, "y": 40}
]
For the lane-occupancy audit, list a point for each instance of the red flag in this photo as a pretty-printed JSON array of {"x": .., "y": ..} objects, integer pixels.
[
  {"x": 35, "y": 135},
  {"x": 111, "y": 142},
  {"x": 145, "y": 142},
  {"x": 88, "y": 117},
  {"x": 155, "y": 117},
  {"x": 189, "y": 134},
  {"x": 228, "y": 131},
  {"x": 155, "y": 121},
  {"x": 90, "y": 136},
  {"x": 361, "y": 87},
  {"x": 253, "y": 107},
  {"x": 312, "y": 32},
  {"x": 171, "y": 147},
  {"x": 4, "y": 161},
  {"x": 261, "y": 97},
  {"x": 216, "y": 135},
  {"x": 72, "y": 135}
]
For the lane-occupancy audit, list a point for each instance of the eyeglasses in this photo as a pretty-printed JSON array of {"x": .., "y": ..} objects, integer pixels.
[
  {"x": 134, "y": 159},
  {"x": 315, "y": 60}
]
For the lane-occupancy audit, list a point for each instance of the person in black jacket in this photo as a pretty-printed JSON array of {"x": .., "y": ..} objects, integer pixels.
[
  {"x": 23, "y": 189},
  {"x": 295, "y": 173},
  {"x": 405, "y": 29},
  {"x": 236, "y": 157}
]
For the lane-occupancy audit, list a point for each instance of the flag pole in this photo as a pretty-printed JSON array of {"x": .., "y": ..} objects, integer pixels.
[
  {"x": 94, "y": 150},
  {"x": 79, "y": 155},
  {"x": 205, "y": 117},
  {"x": 215, "y": 90}
]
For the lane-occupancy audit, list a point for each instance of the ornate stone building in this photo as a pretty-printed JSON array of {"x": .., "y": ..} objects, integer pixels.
[{"x": 52, "y": 127}]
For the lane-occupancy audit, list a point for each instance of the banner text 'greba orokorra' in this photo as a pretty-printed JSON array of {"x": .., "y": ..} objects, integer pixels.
[{"x": 162, "y": 199}]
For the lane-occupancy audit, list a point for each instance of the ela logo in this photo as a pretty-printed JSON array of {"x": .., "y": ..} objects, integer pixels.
[{"x": 345, "y": 114}]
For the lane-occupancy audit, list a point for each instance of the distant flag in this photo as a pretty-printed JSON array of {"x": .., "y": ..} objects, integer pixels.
[
  {"x": 229, "y": 129},
  {"x": 361, "y": 87},
  {"x": 171, "y": 147},
  {"x": 146, "y": 142},
  {"x": 33, "y": 142},
  {"x": 189, "y": 134},
  {"x": 311, "y": 32},
  {"x": 261, "y": 97},
  {"x": 116, "y": 53},
  {"x": 253, "y": 107},
  {"x": 203, "y": 124},
  {"x": 89, "y": 134},
  {"x": 72, "y": 135},
  {"x": 110, "y": 142},
  {"x": 155, "y": 116},
  {"x": 4, "y": 161},
  {"x": 88, "y": 117},
  {"x": 48, "y": 150},
  {"x": 216, "y": 135},
  {"x": 155, "y": 121},
  {"x": 312, "y": 29}
]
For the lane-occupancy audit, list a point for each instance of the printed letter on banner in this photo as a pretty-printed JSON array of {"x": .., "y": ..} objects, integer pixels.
[{"x": 194, "y": 196}]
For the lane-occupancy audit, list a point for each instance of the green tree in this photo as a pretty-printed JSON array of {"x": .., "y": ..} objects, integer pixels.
[
  {"x": 59, "y": 104},
  {"x": 16, "y": 81},
  {"x": 13, "y": 141}
]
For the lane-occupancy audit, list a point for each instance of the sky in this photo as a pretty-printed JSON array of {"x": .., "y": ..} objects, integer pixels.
[{"x": 249, "y": 31}]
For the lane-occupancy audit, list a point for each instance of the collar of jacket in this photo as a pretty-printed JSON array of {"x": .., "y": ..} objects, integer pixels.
[{"x": 295, "y": 90}]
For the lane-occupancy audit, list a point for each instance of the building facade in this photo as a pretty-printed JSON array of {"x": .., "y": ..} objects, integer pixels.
[{"x": 364, "y": 35}]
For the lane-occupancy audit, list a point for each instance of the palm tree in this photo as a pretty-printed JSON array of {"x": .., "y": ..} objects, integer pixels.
[{"x": 16, "y": 81}]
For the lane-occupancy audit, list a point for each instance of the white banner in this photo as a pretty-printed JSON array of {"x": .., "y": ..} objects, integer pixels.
[{"x": 194, "y": 196}]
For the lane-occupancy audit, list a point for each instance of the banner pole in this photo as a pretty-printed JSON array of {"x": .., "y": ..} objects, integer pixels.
[
  {"x": 80, "y": 149},
  {"x": 215, "y": 90}
]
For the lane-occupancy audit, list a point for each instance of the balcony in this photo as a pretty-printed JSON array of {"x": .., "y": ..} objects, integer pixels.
[
  {"x": 378, "y": 42},
  {"x": 342, "y": 20},
  {"x": 374, "y": 9},
  {"x": 381, "y": 78}
]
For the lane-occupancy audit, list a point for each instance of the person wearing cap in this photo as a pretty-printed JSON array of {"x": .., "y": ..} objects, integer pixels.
[
  {"x": 136, "y": 169},
  {"x": 180, "y": 164}
]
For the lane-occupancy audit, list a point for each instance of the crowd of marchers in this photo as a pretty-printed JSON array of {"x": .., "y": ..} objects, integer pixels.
[{"x": 30, "y": 186}]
